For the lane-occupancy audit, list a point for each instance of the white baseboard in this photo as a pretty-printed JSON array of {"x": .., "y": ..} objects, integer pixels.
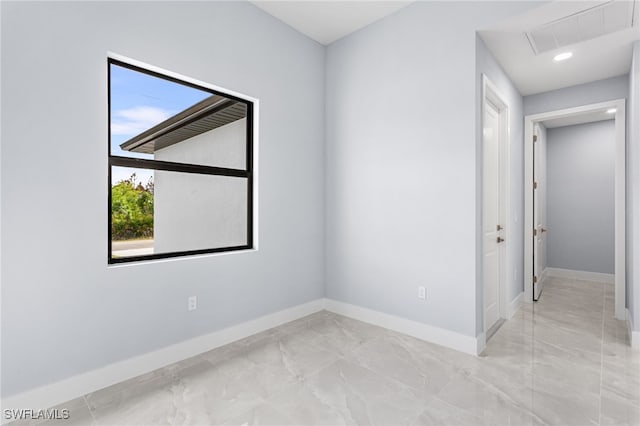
[
  {"x": 481, "y": 342},
  {"x": 581, "y": 275},
  {"x": 56, "y": 393},
  {"x": 429, "y": 333},
  {"x": 634, "y": 336},
  {"x": 74, "y": 387},
  {"x": 514, "y": 305}
]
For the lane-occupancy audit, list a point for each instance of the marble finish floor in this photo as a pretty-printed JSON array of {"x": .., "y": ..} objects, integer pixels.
[{"x": 561, "y": 361}]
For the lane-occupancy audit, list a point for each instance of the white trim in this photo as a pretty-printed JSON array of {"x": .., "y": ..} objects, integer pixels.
[
  {"x": 620, "y": 188},
  {"x": 481, "y": 342},
  {"x": 580, "y": 275},
  {"x": 514, "y": 305},
  {"x": 429, "y": 333},
  {"x": 91, "y": 381},
  {"x": 74, "y": 387},
  {"x": 491, "y": 93},
  {"x": 528, "y": 209},
  {"x": 188, "y": 79},
  {"x": 634, "y": 336},
  {"x": 620, "y": 278}
]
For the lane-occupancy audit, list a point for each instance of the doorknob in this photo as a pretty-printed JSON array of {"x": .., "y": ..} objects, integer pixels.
[
  {"x": 499, "y": 240},
  {"x": 543, "y": 229},
  {"x": 499, "y": 228}
]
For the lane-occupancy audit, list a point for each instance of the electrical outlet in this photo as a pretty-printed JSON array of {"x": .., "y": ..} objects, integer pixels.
[
  {"x": 422, "y": 293},
  {"x": 192, "y": 303}
]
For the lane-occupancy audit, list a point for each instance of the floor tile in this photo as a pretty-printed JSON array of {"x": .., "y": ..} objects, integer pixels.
[
  {"x": 394, "y": 358},
  {"x": 619, "y": 411},
  {"x": 261, "y": 415},
  {"x": 305, "y": 407},
  {"x": 561, "y": 361},
  {"x": 491, "y": 403},
  {"x": 71, "y": 413},
  {"x": 363, "y": 397},
  {"x": 439, "y": 413}
]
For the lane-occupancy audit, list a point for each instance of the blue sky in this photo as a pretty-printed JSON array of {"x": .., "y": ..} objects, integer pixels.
[{"x": 139, "y": 101}]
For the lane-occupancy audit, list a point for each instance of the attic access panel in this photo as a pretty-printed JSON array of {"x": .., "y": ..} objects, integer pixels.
[{"x": 597, "y": 21}]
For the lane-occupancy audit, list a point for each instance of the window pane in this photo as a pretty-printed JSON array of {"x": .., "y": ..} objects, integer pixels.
[
  {"x": 157, "y": 211},
  {"x": 155, "y": 118}
]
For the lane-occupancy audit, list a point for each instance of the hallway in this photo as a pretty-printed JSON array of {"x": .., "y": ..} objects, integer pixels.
[{"x": 566, "y": 358}]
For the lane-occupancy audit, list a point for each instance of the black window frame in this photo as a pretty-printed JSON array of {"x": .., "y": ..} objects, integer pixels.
[{"x": 115, "y": 160}]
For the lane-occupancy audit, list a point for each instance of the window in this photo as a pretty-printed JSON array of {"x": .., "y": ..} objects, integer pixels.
[{"x": 180, "y": 167}]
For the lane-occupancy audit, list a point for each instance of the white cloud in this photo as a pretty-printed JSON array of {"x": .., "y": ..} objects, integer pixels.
[{"x": 133, "y": 121}]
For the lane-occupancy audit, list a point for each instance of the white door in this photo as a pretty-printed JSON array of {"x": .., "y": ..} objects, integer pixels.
[
  {"x": 492, "y": 224},
  {"x": 539, "y": 210}
]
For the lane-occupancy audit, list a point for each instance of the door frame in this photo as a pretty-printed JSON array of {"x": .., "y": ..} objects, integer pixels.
[
  {"x": 537, "y": 131},
  {"x": 620, "y": 195},
  {"x": 490, "y": 93}
]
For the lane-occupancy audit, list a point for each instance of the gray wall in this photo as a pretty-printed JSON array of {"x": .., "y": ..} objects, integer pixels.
[
  {"x": 487, "y": 64},
  {"x": 582, "y": 94},
  {"x": 633, "y": 189},
  {"x": 580, "y": 197},
  {"x": 402, "y": 163},
  {"x": 64, "y": 311}
]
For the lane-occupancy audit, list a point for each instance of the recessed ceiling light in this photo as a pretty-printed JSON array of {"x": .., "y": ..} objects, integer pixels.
[
  {"x": 611, "y": 111},
  {"x": 562, "y": 56}
]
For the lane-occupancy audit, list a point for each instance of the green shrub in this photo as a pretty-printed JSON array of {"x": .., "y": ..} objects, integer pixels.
[{"x": 131, "y": 209}]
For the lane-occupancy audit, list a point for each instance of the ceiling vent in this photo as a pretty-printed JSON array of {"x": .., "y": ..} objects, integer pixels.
[{"x": 588, "y": 24}]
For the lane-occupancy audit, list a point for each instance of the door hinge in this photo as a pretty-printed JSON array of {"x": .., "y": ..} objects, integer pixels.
[
  {"x": 535, "y": 185},
  {"x": 535, "y": 138},
  {"x": 535, "y": 232},
  {"x": 535, "y": 279}
]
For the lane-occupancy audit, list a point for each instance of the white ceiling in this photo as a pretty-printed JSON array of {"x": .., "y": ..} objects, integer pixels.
[
  {"x": 595, "y": 59},
  {"x": 327, "y": 21}
]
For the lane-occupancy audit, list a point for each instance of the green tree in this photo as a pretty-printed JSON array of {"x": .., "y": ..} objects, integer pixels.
[{"x": 132, "y": 209}]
